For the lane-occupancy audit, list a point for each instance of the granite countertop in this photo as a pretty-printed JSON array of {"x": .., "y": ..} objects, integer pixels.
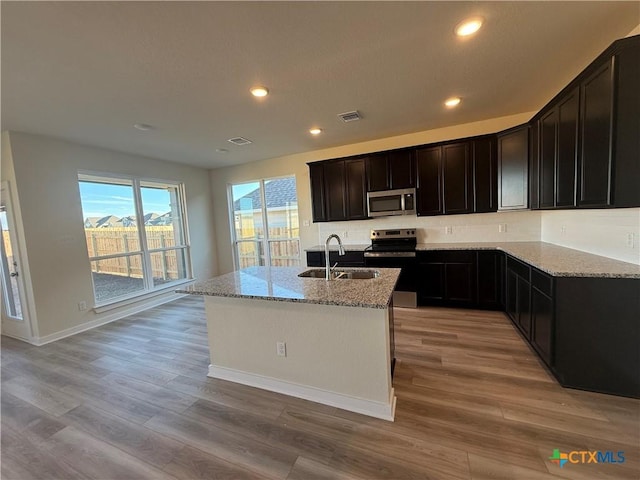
[
  {"x": 283, "y": 284},
  {"x": 552, "y": 259},
  {"x": 333, "y": 247}
]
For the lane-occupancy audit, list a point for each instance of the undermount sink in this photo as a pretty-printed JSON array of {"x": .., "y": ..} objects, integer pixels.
[{"x": 341, "y": 274}]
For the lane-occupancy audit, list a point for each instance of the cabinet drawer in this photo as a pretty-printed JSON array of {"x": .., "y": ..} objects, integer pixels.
[
  {"x": 521, "y": 269},
  {"x": 542, "y": 282}
]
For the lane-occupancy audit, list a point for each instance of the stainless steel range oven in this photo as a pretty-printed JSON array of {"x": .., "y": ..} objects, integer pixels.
[{"x": 396, "y": 248}]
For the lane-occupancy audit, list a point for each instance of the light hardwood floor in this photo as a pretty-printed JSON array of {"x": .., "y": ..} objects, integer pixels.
[{"x": 131, "y": 400}]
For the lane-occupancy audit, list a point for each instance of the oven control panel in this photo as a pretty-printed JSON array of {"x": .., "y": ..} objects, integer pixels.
[{"x": 391, "y": 234}]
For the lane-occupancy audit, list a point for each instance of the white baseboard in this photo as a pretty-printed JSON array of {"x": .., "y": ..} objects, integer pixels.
[
  {"x": 385, "y": 411},
  {"x": 104, "y": 319}
]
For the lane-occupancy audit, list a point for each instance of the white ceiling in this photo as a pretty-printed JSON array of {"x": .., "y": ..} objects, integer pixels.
[{"x": 88, "y": 71}]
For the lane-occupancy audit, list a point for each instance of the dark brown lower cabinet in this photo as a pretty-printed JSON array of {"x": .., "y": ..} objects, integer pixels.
[
  {"x": 597, "y": 334},
  {"x": 518, "y": 295},
  {"x": 490, "y": 280},
  {"x": 542, "y": 325},
  {"x": 447, "y": 278}
]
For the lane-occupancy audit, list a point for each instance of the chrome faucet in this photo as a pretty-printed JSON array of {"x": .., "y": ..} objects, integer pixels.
[{"x": 326, "y": 254}]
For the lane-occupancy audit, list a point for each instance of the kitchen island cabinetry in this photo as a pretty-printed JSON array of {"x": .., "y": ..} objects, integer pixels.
[{"x": 324, "y": 341}]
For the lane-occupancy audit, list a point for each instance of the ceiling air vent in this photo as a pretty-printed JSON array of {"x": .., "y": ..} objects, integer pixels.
[
  {"x": 349, "y": 116},
  {"x": 239, "y": 141}
]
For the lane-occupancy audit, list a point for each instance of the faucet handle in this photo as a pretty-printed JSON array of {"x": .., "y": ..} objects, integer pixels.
[{"x": 334, "y": 265}]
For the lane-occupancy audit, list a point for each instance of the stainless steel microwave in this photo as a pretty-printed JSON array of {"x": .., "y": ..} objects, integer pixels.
[{"x": 392, "y": 202}]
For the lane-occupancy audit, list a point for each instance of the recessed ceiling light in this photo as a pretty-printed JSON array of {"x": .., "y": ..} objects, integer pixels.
[
  {"x": 469, "y": 27},
  {"x": 144, "y": 127},
  {"x": 452, "y": 102},
  {"x": 315, "y": 131},
  {"x": 259, "y": 91}
]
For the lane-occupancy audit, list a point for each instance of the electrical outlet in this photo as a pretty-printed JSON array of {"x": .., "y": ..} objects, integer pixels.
[
  {"x": 502, "y": 228},
  {"x": 305, "y": 223},
  {"x": 563, "y": 230},
  {"x": 630, "y": 240},
  {"x": 345, "y": 234},
  {"x": 448, "y": 230},
  {"x": 281, "y": 349},
  {"x": 82, "y": 306}
]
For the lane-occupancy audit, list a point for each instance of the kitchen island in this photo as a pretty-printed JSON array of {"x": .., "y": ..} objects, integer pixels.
[{"x": 337, "y": 335}]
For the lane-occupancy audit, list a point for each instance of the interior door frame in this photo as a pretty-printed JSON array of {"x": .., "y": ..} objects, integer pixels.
[{"x": 17, "y": 251}]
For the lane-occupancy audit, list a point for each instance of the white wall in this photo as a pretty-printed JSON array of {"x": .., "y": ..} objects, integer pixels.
[
  {"x": 521, "y": 226},
  {"x": 296, "y": 165},
  {"x": 602, "y": 232},
  {"x": 46, "y": 183}
]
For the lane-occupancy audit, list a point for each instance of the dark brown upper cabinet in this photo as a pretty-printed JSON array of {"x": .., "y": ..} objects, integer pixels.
[
  {"x": 485, "y": 174},
  {"x": 586, "y": 151},
  {"x": 457, "y": 178},
  {"x": 391, "y": 170},
  {"x": 338, "y": 190},
  {"x": 610, "y": 122},
  {"x": 429, "y": 181},
  {"x": 557, "y": 163},
  {"x": 513, "y": 168}
]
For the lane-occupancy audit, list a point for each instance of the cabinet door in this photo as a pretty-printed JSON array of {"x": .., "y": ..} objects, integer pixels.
[
  {"x": 356, "y": 189},
  {"x": 511, "y": 296},
  {"x": 378, "y": 172},
  {"x": 567, "y": 151},
  {"x": 401, "y": 169},
  {"x": 596, "y": 156},
  {"x": 524, "y": 306},
  {"x": 490, "y": 279},
  {"x": 542, "y": 325},
  {"x": 513, "y": 169},
  {"x": 534, "y": 166},
  {"x": 548, "y": 138},
  {"x": 316, "y": 180},
  {"x": 429, "y": 193},
  {"x": 460, "y": 283},
  {"x": 485, "y": 176},
  {"x": 431, "y": 284},
  {"x": 334, "y": 181},
  {"x": 457, "y": 178}
]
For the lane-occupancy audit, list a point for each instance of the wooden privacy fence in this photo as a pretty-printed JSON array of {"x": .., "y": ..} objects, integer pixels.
[{"x": 166, "y": 265}]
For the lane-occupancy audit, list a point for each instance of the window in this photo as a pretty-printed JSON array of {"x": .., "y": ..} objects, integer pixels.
[
  {"x": 265, "y": 228},
  {"x": 135, "y": 234}
]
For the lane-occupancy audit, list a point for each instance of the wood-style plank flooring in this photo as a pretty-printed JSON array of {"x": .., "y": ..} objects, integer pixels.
[{"x": 131, "y": 400}]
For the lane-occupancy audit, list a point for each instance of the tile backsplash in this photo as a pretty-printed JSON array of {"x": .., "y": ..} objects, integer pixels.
[
  {"x": 516, "y": 226},
  {"x": 613, "y": 233}
]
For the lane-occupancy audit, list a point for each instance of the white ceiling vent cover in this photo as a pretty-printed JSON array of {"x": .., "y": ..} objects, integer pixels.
[
  {"x": 239, "y": 141},
  {"x": 349, "y": 116}
]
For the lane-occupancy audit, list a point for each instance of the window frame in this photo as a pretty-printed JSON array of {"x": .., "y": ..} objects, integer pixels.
[
  {"x": 265, "y": 241},
  {"x": 137, "y": 183}
]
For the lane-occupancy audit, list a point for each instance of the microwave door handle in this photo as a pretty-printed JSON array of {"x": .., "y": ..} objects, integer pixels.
[{"x": 402, "y": 203}]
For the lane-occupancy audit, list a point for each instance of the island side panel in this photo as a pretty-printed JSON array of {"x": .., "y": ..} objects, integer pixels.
[{"x": 329, "y": 349}]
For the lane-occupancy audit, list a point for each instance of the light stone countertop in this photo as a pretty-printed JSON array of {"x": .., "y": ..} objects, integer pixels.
[
  {"x": 333, "y": 247},
  {"x": 283, "y": 284},
  {"x": 552, "y": 259}
]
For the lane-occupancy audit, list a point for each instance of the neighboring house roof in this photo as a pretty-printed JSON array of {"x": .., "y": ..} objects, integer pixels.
[
  {"x": 129, "y": 221},
  {"x": 279, "y": 193}
]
